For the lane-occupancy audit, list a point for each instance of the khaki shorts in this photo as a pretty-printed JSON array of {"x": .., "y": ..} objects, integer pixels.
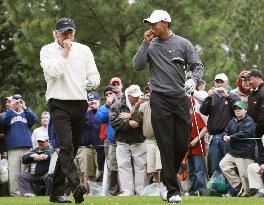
[
  {"x": 86, "y": 161},
  {"x": 111, "y": 158},
  {"x": 153, "y": 157}
]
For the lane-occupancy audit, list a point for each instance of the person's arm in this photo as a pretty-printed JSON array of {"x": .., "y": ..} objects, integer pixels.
[
  {"x": 141, "y": 58},
  {"x": 29, "y": 157},
  {"x": 47, "y": 154},
  {"x": 137, "y": 110},
  {"x": 206, "y": 106},
  {"x": 89, "y": 122},
  {"x": 247, "y": 130},
  {"x": 116, "y": 121},
  {"x": 199, "y": 137},
  {"x": 30, "y": 116},
  {"x": 260, "y": 121},
  {"x": 7, "y": 117},
  {"x": 226, "y": 134},
  {"x": 53, "y": 66},
  {"x": 102, "y": 114},
  {"x": 194, "y": 62},
  {"x": 92, "y": 74},
  {"x": 231, "y": 99}
]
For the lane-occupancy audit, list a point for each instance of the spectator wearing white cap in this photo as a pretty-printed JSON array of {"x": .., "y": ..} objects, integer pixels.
[
  {"x": 167, "y": 55},
  {"x": 141, "y": 112},
  {"x": 218, "y": 106},
  {"x": 38, "y": 159},
  {"x": 42, "y": 130},
  {"x": 131, "y": 149}
]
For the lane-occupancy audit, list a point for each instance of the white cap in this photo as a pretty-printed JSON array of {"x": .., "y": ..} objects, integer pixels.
[
  {"x": 9, "y": 97},
  {"x": 134, "y": 91},
  {"x": 42, "y": 138},
  {"x": 157, "y": 16},
  {"x": 221, "y": 76}
]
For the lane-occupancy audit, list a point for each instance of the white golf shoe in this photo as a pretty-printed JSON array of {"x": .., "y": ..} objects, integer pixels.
[
  {"x": 175, "y": 199},
  {"x": 163, "y": 192}
]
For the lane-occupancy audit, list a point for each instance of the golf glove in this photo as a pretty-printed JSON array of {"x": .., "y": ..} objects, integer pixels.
[
  {"x": 89, "y": 85},
  {"x": 189, "y": 87}
]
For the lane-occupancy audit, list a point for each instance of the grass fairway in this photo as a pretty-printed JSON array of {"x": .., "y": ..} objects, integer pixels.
[{"x": 136, "y": 200}]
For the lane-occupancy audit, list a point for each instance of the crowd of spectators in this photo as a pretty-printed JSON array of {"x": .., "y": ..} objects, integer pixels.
[{"x": 118, "y": 142}]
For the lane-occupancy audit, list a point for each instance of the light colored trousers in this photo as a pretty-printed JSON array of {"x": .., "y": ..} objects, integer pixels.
[
  {"x": 129, "y": 158},
  {"x": 254, "y": 178},
  {"x": 53, "y": 161},
  {"x": 229, "y": 164},
  {"x": 15, "y": 167}
]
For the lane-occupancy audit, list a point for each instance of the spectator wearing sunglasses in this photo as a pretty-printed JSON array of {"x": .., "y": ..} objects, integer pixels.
[{"x": 39, "y": 159}]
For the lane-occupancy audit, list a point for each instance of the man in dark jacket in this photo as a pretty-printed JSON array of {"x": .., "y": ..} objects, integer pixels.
[
  {"x": 239, "y": 131},
  {"x": 102, "y": 115},
  {"x": 91, "y": 148},
  {"x": 219, "y": 107},
  {"x": 39, "y": 159},
  {"x": 131, "y": 152},
  {"x": 256, "y": 111}
]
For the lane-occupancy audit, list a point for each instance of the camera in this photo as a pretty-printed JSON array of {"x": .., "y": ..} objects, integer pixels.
[
  {"x": 146, "y": 97},
  {"x": 40, "y": 152},
  {"x": 218, "y": 90}
]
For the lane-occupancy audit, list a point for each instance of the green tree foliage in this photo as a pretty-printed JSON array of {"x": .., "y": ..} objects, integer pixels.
[
  {"x": 222, "y": 31},
  {"x": 245, "y": 33},
  {"x": 11, "y": 69}
]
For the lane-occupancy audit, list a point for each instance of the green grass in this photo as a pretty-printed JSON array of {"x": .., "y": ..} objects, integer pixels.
[{"x": 136, "y": 200}]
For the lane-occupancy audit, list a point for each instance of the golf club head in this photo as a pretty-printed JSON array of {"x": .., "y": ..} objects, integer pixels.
[{"x": 178, "y": 60}]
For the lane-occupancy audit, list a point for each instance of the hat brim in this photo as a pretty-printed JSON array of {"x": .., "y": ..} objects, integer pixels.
[
  {"x": 220, "y": 79},
  {"x": 42, "y": 139},
  {"x": 115, "y": 81},
  {"x": 136, "y": 95},
  {"x": 66, "y": 29},
  {"x": 149, "y": 20},
  {"x": 93, "y": 101},
  {"x": 9, "y": 98},
  {"x": 240, "y": 107}
]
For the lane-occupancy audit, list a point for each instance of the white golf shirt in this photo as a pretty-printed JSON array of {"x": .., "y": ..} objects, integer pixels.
[{"x": 66, "y": 77}]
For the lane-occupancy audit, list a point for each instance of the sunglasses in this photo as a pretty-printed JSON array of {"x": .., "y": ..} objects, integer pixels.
[{"x": 39, "y": 141}]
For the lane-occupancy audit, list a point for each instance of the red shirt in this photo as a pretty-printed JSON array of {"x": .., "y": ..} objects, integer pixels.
[{"x": 196, "y": 150}]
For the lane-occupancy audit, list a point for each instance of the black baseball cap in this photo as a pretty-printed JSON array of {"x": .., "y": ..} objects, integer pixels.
[
  {"x": 254, "y": 73},
  {"x": 17, "y": 97},
  {"x": 65, "y": 24},
  {"x": 109, "y": 88}
]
